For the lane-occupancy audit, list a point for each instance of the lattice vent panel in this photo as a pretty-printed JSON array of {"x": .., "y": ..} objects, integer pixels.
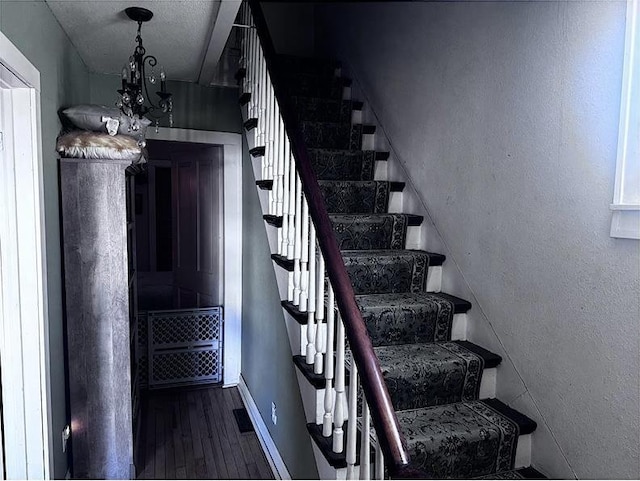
[
  {"x": 142, "y": 349},
  {"x": 185, "y": 347}
]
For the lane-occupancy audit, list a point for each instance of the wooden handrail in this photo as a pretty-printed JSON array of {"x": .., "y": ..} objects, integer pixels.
[{"x": 375, "y": 390}]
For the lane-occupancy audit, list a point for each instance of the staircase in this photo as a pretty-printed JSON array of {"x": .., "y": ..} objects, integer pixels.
[{"x": 442, "y": 386}]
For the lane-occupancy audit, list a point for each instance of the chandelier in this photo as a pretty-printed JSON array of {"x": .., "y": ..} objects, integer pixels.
[{"x": 135, "y": 101}]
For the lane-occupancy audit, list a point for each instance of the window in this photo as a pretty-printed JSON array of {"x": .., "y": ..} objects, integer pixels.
[{"x": 626, "y": 198}]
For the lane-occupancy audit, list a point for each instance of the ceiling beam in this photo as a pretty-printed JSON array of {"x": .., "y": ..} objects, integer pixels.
[{"x": 219, "y": 35}]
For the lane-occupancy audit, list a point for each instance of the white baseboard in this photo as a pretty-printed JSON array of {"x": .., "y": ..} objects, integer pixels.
[{"x": 270, "y": 449}]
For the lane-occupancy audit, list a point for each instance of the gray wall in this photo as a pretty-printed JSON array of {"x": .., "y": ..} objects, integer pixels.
[
  {"x": 267, "y": 365},
  {"x": 194, "y": 107},
  {"x": 505, "y": 115},
  {"x": 64, "y": 80}
]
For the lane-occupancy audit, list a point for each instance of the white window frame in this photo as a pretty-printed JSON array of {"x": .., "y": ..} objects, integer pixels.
[
  {"x": 625, "y": 222},
  {"x": 24, "y": 334}
]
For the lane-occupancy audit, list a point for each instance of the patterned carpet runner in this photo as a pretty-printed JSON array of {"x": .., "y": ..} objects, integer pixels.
[
  {"x": 434, "y": 382},
  {"x": 460, "y": 440},
  {"x": 419, "y": 375},
  {"x": 370, "y": 232},
  {"x": 406, "y": 318},
  {"x": 336, "y": 164}
]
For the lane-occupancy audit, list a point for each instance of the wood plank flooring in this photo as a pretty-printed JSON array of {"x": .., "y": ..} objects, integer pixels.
[{"x": 192, "y": 434}]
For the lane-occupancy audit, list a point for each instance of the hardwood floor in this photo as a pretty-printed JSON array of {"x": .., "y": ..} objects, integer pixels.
[{"x": 192, "y": 434}]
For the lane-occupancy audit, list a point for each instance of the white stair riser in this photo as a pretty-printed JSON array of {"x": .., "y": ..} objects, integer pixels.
[
  {"x": 325, "y": 470},
  {"x": 523, "y": 452},
  {"x": 434, "y": 278}
]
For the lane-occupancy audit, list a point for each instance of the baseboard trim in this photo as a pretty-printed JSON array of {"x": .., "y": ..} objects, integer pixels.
[{"x": 269, "y": 447}]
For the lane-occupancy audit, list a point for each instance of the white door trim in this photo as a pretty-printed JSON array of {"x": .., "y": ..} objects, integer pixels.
[
  {"x": 23, "y": 291},
  {"x": 232, "y": 241}
]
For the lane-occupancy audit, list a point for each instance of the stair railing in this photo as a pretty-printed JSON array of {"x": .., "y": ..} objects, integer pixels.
[{"x": 307, "y": 239}]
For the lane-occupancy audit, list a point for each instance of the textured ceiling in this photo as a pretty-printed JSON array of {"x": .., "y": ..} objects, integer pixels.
[{"x": 178, "y": 34}]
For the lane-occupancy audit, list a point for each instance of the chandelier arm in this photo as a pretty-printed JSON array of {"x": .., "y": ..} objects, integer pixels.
[{"x": 152, "y": 63}]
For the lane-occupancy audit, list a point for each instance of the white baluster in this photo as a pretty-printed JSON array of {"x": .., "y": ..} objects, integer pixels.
[
  {"x": 282, "y": 248},
  {"x": 319, "y": 360},
  {"x": 379, "y": 473},
  {"x": 262, "y": 99},
  {"x": 273, "y": 166},
  {"x": 298, "y": 243},
  {"x": 365, "y": 443},
  {"x": 292, "y": 227},
  {"x": 327, "y": 420},
  {"x": 311, "y": 326},
  {"x": 292, "y": 206},
  {"x": 352, "y": 423},
  {"x": 304, "y": 258},
  {"x": 253, "y": 113},
  {"x": 338, "y": 412},
  {"x": 279, "y": 187},
  {"x": 269, "y": 144},
  {"x": 262, "y": 114}
]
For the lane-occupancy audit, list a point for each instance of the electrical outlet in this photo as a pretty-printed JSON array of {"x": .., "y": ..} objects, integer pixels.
[
  {"x": 274, "y": 414},
  {"x": 66, "y": 434}
]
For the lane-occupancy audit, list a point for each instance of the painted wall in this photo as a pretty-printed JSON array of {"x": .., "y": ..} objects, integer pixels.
[
  {"x": 195, "y": 107},
  {"x": 291, "y": 26},
  {"x": 267, "y": 367},
  {"x": 33, "y": 29},
  {"x": 505, "y": 115}
]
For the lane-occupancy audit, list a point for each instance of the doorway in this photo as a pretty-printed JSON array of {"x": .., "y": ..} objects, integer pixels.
[
  {"x": 24, "y": 413},
  {"x": 232, "y": 236},
  {"x": 179, "y": 226}
]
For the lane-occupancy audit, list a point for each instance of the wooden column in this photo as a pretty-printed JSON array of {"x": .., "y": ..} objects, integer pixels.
[{"x": 94, "y": 230}]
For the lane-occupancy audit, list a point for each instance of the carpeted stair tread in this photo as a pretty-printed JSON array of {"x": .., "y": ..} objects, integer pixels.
[
  {"x": 530, "y": 473},
  {"x": 264, "y": 184},
  {"x": 389, "y": 270},
  {"x": 372, "y": 231},
  {"x": 320, "y": 109},
  {"x": 406, "y": 318},
  {"x": 344, "y": 165},
  {"x": 357, "y": 196},
  {"x": 526, "y": 425},
  {"x": 489, "y": 358},
  {"x": 374, "y": 301},
  {"x": 460, "y": 440},
  {"x": 522, "y": 473},
  {"x": 332, "y": 135},
  {"x": 430, "y": 374}
]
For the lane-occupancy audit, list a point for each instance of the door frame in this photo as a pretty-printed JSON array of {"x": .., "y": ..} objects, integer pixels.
[
  {"x": 24, "y": 345},
  {"x": 232, "y": 237}
]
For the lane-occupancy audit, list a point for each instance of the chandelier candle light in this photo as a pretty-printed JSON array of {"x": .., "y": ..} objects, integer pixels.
[{"x": 135, "y": 101}]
